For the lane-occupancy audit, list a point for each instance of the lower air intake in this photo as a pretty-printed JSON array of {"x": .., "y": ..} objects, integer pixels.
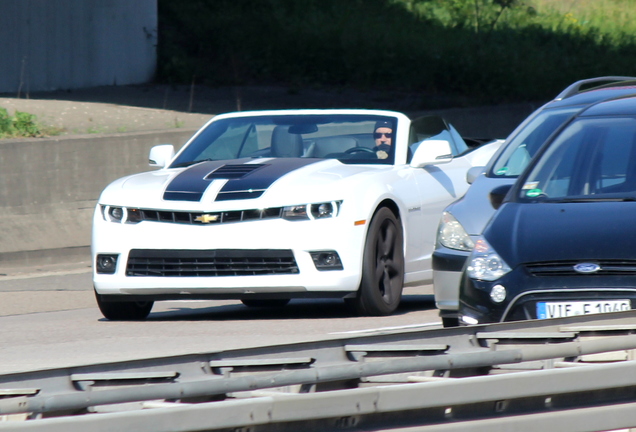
[{"x": 210, "y": 263}]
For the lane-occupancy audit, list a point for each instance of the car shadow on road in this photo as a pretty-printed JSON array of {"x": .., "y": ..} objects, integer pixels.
[{"x": 296, "y": 309}]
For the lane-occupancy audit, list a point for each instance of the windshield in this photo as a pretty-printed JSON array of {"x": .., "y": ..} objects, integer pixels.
[
  {"x": 349, "y": 138},
  {"x": 593, "y": 159},
  {"x": 523, "y": 146}
]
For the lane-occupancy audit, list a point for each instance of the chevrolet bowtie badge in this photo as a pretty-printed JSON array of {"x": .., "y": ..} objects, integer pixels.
[{"x": 206, "y": 218}]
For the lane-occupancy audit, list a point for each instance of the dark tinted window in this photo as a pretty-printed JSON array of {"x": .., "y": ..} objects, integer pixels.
[
  {"x": 513, "y": 160},
  {"x": 592, "y": 158}
]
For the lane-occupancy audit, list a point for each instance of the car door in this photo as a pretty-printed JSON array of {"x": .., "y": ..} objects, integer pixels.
[{"x": 436, "y": 187}]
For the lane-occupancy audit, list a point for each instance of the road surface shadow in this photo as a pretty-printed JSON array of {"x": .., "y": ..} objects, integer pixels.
[{"x": 296, "y": 309}]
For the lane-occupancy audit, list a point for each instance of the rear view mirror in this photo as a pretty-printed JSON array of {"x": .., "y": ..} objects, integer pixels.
[
  {"x": 161, "y": 155},
  {"x": 299, "y": 129},
  {"x": 473, "y": 173},
  {"x": 498, "y": 194},
  {"x": 432, "y": 152}
]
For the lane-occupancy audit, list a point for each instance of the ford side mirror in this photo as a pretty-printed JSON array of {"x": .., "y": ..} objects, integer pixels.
[
  {"x": 498, "y": 194},
  {"x": 161, "y": 155}
]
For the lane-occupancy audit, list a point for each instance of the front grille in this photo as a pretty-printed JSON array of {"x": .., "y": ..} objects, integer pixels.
[
  {"x": 210, "y": 263},
  {"x": 199, "y": 218},
  {"x": 566, "y": 268}
]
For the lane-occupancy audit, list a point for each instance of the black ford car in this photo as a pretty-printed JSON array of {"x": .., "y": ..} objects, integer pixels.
[{"x": 563, "y": 241}]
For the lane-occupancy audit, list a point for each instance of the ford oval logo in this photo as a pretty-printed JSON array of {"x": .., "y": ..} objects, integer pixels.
[{"x": 587, "y": 268}]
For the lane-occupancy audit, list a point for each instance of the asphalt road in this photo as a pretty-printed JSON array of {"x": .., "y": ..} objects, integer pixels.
[{"x": 49, "y": 319}]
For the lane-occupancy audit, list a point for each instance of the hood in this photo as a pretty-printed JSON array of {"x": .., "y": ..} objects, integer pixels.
[
  {"x": 536, "y": 232},
  {"x": 212, "y": 182}
]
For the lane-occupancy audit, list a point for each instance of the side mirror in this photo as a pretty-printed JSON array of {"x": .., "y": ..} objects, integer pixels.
[
  {"x": 161, "y": 155},
  {"x": 432, "y": 152},
  {"x": 473, "y": 173},
  {"x": 498, "y": 194}
]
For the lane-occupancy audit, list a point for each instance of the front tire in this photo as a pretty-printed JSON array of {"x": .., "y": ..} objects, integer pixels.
[
  {"x": 123, "y": 310},
  {"x": 382, "y": 281}
]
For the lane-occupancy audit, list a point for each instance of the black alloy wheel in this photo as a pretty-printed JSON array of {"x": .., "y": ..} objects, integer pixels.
[{"x": 382, "y": 281}]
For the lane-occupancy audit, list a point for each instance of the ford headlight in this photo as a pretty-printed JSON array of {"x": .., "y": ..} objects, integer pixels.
[
  {"x": 323, "y": 210},
  {"x": 452, "y": 235},
  {"x": 485, "y": 264}
]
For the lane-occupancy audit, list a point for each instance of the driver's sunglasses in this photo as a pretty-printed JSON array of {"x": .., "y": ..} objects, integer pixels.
[{"x": 378, "y": 135}]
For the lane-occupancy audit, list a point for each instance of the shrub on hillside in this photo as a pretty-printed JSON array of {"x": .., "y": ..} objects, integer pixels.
[
  {"x": 21, "y": 124},
  {"x": 484, "y": 50}
]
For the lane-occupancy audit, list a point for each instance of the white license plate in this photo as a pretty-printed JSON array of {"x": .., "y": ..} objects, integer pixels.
[{"x": 566, "y": 309}]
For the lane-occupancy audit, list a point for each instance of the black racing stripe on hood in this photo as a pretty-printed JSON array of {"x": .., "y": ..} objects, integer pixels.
[
  {"x": 190, "y": 184},
  {"x": 254, "y": 184}
]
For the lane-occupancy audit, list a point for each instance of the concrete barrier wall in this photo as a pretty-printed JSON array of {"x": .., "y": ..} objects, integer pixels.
[
  {"x": 49, "y": 188},
  {"x": 66, "y": 44}
]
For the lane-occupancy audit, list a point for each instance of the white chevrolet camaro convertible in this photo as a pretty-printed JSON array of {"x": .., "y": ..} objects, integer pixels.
[{"x": 267, "y": 206}]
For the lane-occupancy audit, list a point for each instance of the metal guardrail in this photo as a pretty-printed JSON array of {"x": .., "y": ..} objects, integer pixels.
[{"x": 561, "y": 373}]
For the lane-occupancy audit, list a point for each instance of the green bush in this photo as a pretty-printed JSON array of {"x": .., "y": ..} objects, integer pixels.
[
  {"x": 481, "y": 50},
  {"x": 20, "y": 125}
]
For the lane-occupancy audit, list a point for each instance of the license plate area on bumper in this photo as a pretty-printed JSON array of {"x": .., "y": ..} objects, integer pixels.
[{"x": 573, "y": 308}]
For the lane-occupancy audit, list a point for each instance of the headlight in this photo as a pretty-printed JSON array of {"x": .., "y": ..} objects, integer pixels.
[
  {"x": 451, "y": 234},
  {"x": 120, "y": 214},
  {"x": 312, "y": 211},
  {"x": 485, "y": 263}
]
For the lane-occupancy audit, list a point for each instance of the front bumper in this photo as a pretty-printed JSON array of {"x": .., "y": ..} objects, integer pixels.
[
  {"x": 298, "y": 238},
  {"x": 524, "y": 292},
  {"x": 448, "y": 266}
]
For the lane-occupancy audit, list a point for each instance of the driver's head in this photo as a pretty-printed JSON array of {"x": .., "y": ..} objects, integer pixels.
[{"x": 383, "y": 133}]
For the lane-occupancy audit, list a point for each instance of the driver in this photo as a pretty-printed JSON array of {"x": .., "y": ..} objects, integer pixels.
[{"x": 383, "y": 135}]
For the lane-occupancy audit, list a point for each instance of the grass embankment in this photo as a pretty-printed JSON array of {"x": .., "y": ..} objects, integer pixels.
[
  {"x": 614, "y": 19},
  {"x": 478, "y": 50}
]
